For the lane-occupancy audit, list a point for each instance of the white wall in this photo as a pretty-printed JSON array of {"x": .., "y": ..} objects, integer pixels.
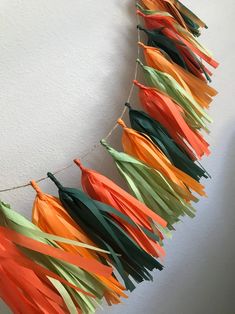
[{"x": 65, "y": 70}]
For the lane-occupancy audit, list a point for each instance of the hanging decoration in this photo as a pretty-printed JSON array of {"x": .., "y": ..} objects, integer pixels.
[
  {"x": 34, "y": 253},
  {"x": 198, "y": 89},
  {"x": 150, "y": 187},
  {"x": 144, "y": 225},
  {"x": 50, "y": 216},
  {"x": 95, "y": 219},
  {"x": 141, "y": 147},
  {"x": 142, "y": 122},
  {"x": 92, "y": 245}
]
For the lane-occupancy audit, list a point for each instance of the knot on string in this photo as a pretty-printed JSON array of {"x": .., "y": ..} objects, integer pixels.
[
  {"x": 39, "y": 192},
  {"x": 79, "y": 164},
  {"x": 121, "y": 123}
]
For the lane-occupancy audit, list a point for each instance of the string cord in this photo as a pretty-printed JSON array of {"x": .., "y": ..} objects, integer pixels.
[{"x": 94, "y": 147}]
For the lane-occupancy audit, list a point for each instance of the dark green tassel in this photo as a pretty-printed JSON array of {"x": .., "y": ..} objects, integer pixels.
[
  {"x": 158, "y": 40},
  {"x": 96, "y": 219},
  {"x": 142, "y": 122}
]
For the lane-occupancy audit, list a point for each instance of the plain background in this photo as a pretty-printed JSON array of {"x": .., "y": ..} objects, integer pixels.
[{"x": 65, "y": 73}]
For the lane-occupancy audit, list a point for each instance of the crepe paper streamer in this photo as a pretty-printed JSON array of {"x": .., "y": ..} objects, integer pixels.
[
  {"x": 69, "y": 268},
  {"x": 141, "y": 147},
  {"x": 182, "y": 14},
  {"x": 96, "y": 219},
  {"x": 142, "y": 122},
  {"x": 151, "y": 187},
  {"x": 158, "y": 20},
  {"x": 138, "y": 225},
  {"x": 198, "y": 89},
  {"x": 50, "y": 216},
  {"x": 180, "y": 51},
  {"x": 172, "y": 117}
]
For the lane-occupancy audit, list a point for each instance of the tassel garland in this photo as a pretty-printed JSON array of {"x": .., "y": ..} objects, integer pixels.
[{"x": 90, "y": 245}]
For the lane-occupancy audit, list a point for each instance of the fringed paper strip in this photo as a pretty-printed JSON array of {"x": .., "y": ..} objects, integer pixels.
[
  {"x": 163, "y": 22},
  {"x": 164, "y": 110},
  {"x": 97, "y": 220},
  {"x": 144, "y": 226},
  {"x": 159, "y": 20},
  {"x": 27, "y": 287},
  {"x": 141, "y": 147},
  {"x": 48, "y": 266},
  {"x": 151, "y": 187},
  {"x": 142, "y": 122},
  {"x": 50, "y": 216},
  {"x": 180, "y": 51},
  {"x": 164, "y": 83},
  {"x": 198, "y": 89}
]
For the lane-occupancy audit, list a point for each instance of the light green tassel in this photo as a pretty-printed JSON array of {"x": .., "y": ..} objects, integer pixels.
[{"x": 151, "y": 187}]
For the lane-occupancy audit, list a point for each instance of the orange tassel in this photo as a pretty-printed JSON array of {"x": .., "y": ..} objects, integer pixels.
[
  {"x": 24, "y": 284},
  {"x": 141, "y": 147},
  {"x": 104, "y": 190},
  {"x": 171, "y": 116},
  {"x": 199, "y": 89},
  {"x": 50, "y": 216}
]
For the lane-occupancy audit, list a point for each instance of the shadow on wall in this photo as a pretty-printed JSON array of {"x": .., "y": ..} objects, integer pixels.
[{"x": 204, "y": 281}]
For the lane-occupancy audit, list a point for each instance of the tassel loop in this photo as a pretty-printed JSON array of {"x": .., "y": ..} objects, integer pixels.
[
  {"x": 79, "y": 164},
  {"x": 121, "y": 123},
  {"x": 53, "y": 178},
  {"x": 138, "y": 12},
  {"x": 139, "y": 84},
  {"x": 36, "y": 187},
  {"x": 139, "y": 62},
  {"x": 141, "y": 44},
  {"x": 140, "y": 27},
  {"x": 104, "y": 143}
]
